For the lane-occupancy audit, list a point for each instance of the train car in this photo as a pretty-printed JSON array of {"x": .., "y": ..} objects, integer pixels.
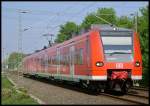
[{"x": 104, "y": 57}]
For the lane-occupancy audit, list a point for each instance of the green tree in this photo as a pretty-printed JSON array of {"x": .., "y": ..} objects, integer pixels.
[
  {"x": 124, "y": 21},
  {"x": 14, "y": 60},
  {"x": 143, "y": 30},
  {"x": 108, "y": 14},
  {"x": 66, "y": 31}
]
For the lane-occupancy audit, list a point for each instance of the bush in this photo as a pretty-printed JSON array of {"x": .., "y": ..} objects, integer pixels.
[{"x": 6, "y": 92}]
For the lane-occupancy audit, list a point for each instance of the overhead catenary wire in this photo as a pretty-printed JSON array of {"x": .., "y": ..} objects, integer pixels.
[
  {"x": 39, "y": 12},
  {"x": 54, "y": 17},
  {"x": 83, "y": 9}
]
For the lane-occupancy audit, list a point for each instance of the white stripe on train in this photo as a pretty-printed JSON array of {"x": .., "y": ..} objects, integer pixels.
[
  {"x": 85, "y": 77},
  {"x": 136, "y": 77}
]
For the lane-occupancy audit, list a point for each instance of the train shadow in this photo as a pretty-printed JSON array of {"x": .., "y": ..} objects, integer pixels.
[
  {"x": 74, "y": 86},
  {"x": 115, "y": 93},
  {"x": 66, "y": 85}
]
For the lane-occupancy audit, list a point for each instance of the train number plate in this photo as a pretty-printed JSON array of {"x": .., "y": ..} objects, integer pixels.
[{"x": 119, "y": 65}]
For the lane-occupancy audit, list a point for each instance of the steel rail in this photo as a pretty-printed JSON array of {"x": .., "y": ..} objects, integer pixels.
[
  {"x": 140, "y": 88},
  {"x": 124, "y": 99},
  {"x": 146, "y": 97}
]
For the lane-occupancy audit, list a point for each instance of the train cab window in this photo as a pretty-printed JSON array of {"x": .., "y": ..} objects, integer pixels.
[{"x": 118, "y": 46}]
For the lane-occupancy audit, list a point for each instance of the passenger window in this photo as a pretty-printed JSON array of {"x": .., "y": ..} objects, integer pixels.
[
  {"x": 49, "y": 60},
  {"x": 67, "y": 59},
  {"x": 79, "y": 57},
  {"x": 55, "y": 60},
  {"x": 52, "y": 60}
]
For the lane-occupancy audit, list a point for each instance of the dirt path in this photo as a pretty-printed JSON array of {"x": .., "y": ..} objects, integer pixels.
[{"x": 52, "y": 94}]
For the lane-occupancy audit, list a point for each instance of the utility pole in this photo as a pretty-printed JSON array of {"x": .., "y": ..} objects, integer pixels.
[
  {"x": 20, "y": 12},
  {"x": 136, "y": 21},
  {"x": 51, "y": 35},
  {"x": 135, "y": 15},
  {"x": 3, "y": 65}
]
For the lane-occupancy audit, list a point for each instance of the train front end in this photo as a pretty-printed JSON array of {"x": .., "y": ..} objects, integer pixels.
[
  {"x": 122, "y": 61},
  {"x": 122, "y": 56}
]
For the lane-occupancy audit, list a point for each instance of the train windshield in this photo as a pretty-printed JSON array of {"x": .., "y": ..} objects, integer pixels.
[{"x": 118, "y": 46}]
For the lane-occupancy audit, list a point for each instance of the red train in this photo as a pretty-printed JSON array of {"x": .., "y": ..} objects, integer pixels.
[{"x": 104, "y": 57}]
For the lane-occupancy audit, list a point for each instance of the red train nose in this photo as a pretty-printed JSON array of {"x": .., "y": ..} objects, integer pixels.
[{"x": 119, "y": 75}]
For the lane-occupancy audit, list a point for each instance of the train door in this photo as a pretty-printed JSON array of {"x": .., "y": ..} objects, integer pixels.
[
  {"x": 58, "y": 62},
  {"x": 71, "y": 64}
]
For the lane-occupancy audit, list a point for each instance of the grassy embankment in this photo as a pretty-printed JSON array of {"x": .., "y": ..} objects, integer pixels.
[{"x": 11, "y": 96}]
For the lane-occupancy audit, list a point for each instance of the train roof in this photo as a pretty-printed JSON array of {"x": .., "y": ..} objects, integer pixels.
[
  {"x": 106, "y": 27},
  {"x": 101, "y": 27}
]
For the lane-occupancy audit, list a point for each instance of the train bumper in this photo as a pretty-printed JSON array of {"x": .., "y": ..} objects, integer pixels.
[{"x": 119, "y": 75}]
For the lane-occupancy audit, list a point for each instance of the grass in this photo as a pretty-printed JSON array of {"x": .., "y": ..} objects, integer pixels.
[
  {"x": 10, "y": 96},
  {"x": 6, "y": 83}
]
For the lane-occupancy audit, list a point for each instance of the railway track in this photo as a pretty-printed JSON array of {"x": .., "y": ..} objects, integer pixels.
[
  {"x": 129, "y": 98},
  {"x": 139, "y": 93},
  {"x": 140, "y": 88},
  {"x": 141, "y": 96},
  {"x": 135, "y": 95},
  {"x": 132, "y": 97}
]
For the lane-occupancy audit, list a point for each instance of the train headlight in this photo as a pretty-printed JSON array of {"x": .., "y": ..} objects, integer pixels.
[
  {"x": 137, "y": 63},
  {"x": 114, "y": 29},
  {"x": 99, "y": 64}
]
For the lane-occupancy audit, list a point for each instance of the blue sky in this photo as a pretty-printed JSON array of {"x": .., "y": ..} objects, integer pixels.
[{"x": 43, "y": 17}]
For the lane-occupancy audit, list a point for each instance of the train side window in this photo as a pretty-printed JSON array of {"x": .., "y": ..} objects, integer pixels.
[
  {"x": 56, "y": 58},
  {"x": 79, "y": 57},
  {"x": 76, "y": 57},
  {"x": 52, "y": 60},
  {"x": 65, "y": 59},
  {"x": 39, "y": 60},
  {"x": 49, "y": 60},
  {"x": 55, "y": 61},
  {"x": 61, "y": 59}
]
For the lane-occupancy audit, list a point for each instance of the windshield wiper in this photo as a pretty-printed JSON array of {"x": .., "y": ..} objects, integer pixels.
[{"x": 118, "y": 53}]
